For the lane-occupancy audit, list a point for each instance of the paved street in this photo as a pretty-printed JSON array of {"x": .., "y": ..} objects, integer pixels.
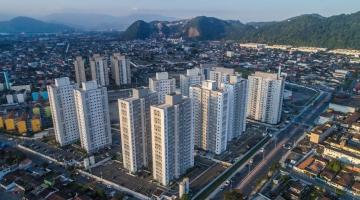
[
  {"x": 290, "y": 134},
  {"x": 246, "y": 181},
  {"x": 272, "y": 155}
]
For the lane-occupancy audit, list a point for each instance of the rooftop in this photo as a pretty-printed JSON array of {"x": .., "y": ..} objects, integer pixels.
[
  {"x": 321, "y": 129},
  {"x": 266, "y": 75},
  {"x": 347, "y": 101},
  {"x": 306, "y": 162}
]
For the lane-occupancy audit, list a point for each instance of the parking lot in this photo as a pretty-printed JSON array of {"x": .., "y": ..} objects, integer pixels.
[
  {"x": 68, "y": 154},
  {"x": 114, "y": 172}
]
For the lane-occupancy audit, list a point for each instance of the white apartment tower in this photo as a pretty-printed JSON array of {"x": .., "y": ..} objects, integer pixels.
[
  {"x": 265, "y": 97},
  {"x": 192, "y": 77},
  {"x": 205, "y": 70},
  {"x": 99, "y": 70},
  {"x": 62, "y": 104},
  {"x": 172, "y": 138},
  {"x": 211, "y": 115},
  {"x": 162, "y": 84},
  {"x": 79, "y": 65},
  {"x": 120, "y": 69},
  {"x": 184, "y": 187},
  {"x": 237, "y": 89},
  {"x": 93, "y": 118},
  {"x": 221, "y": 74},
  {"x": 135, "y": 128}
]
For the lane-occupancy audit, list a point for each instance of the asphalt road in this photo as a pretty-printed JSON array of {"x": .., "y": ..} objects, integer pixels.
[
  {"x": 290, "y": 134},
  {"x": 245, "y": 180},
  {"x": 273, "y": 154}
]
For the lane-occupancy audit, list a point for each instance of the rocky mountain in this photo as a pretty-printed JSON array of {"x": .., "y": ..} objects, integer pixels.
[
  {"x": 142, "y": 30},
  {"x": 139, "y": 30},
  {"x": 340, "y": 31},
  {"x": 30, "y": 25},
  {"x": 198, "y": 28},
  {"x": 210, "y": 28}
]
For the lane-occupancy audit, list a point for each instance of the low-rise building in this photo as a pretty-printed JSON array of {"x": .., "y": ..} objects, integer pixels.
[
  {"x": 345, "y": 104},
  {"x": 339, "y": 73},
  {"x": 253, "y": 45},
  {"x": 326, "y": 117},
  {"x": 343, "y": 156},
  {"x": 321, "y": 132}
]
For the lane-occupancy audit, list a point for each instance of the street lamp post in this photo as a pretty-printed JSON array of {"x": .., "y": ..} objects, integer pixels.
[
  {"x": 250, "y": 163},
  {"x": 262, "y": 150}
]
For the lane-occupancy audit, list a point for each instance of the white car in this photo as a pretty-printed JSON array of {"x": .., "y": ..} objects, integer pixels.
[{"x": 287, "y": 146}]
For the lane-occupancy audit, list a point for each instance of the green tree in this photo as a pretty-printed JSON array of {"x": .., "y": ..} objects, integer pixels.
[
  {"x": 100, "y": 193},
  {"x": 334, "y": 165},
  {"x": 185, "y": 197},
  {"x": 320, "y": 150},
  {"x": 275, "y": 166},
  {"x": 119, "y": 196},
  {"x": 233, "y": 195}
]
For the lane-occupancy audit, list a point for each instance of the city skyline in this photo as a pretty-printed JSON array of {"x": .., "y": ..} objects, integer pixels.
[
  {"x": 142, "y": 100},
  {"x": 246, "y": 11},
  {"x": 132, "y": 141}
]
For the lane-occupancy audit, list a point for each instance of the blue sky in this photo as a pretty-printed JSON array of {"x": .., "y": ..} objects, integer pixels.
[{"x": 244, "y": 10}]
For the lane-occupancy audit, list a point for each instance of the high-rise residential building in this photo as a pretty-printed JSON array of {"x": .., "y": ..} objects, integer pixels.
[
  {"x": 80, "y": 74},
  {"x": 113, "y": 97},
  {"x": 210, "y": 105},
  {"x": 120, "y": 69},
  {"x": 135, "y": 128},
  {"x": 205, "y": 70},
  {"x": 237, "y": 89},
  {"x": 172, "y": 138},
  {"x": 184, "y": 187},
  {"x": 221, "y": 74},
  {"x": 99, "y": 70},
  {"x": 265, "y": 97},
  {"x": 62, "y": 104},
  {"x": 163, "y": 85},
  {"x": 192, "y": 77},
  {"x": 93, "y": 118}
]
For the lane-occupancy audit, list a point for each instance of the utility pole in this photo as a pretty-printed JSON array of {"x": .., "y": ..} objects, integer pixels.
[
  {"x": 262, "y": 150},
  {"x": 249, "y": 164},
  {"x": 275, "y": 140}
]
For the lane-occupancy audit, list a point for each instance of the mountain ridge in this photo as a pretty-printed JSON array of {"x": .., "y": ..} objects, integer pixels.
[
  {"x": 339, "y": 31},
  {"x": 23, "y": 24}
]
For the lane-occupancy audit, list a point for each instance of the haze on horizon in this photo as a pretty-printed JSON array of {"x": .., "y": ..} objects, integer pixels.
[{"x": 243, "y": 10}]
